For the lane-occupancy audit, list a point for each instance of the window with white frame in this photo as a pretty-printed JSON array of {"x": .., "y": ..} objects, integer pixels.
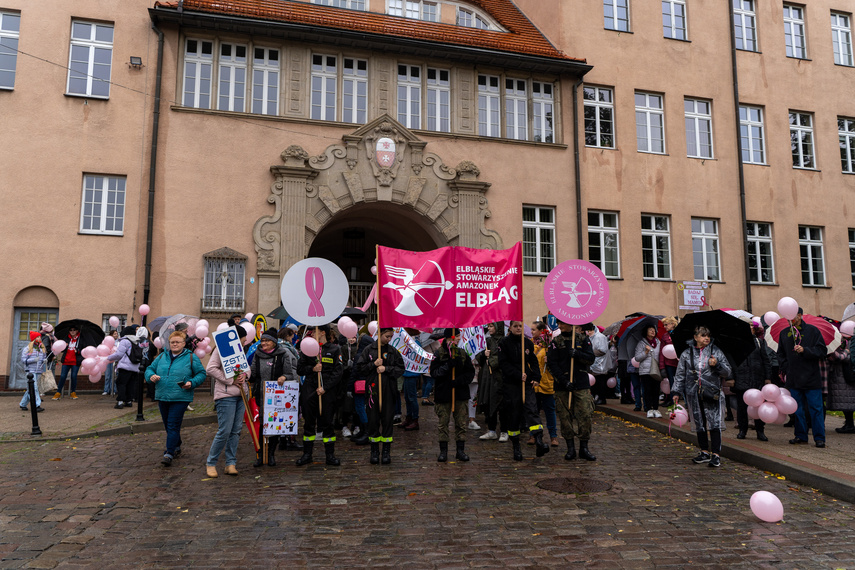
[
  {"x": 650, "y": 122},
  {"x": 542, "y": 113},
  {"x": 810, "y": 251},
  {"x": 751, "y": 135},
  {"x": 325, "y": 102},
  {"x": 656, "y": 246},
  {"x": 529, "y": 108},
  {"x": 604, "y": 243},
  {"x": 223, "y": 281},
  {"x": 801, "y": 139},
  {"x": 852, "y": 255},
  {"x": 232, "y": 77},
  {"x": 410, "y": 96},
  {"x": 265, "y": 81},
  {"x": 516, "y": 113},
  {"x": 841, "y": 37},
  {"x": 438, "y": 100},
  {"x": 324, "y": 80},
  {"x": 599, "y": 116},
  {"x": 674, "y": 19},
  {"x": 417, "y": 10},
  {"x": 794, "y": 31},
  {"x": 103, "y": 205},
  {"x": 846, "y": 133},
  {"x": 616, "y": 15},
  {"x": 90, "y": 59},
  {"x": 745, "y": 25},
  {"x": 198, "y": 66},
  {"x": 698, "y": 128},
  {"x": 705, "y": 256},
  {"x": 10, "y": 27},
  {"x": 761, "y": 266},
  {"x": 470, "y": 19},
  {"x": 488, "y": 106},
  {"x": 538, "y": 239},
  {"x": 355, "y": 91},
  {"x": 108, "y": 328},
  {"x": 350, "y": 4}
]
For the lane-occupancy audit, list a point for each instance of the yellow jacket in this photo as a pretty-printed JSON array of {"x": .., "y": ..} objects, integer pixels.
[{"x": 546, "y": 381}]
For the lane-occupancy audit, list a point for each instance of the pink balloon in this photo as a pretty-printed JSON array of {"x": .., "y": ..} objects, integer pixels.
[
  {"x": 310, "y": 347},
  {"x": 58, "y": 346},
  {"x": 203, "y": 323},
  {"x": 201, "y": 331},
  {"x": 665, "y": 386},
  {"x": 103, "y": 350},
  {"x": 785, "y": 392},
  {"x": 348, "y": 330},
  {"x": 144, "y": 310},
  {"x": 782, "y": 419},
  {"x": 200, "y": 352},
  {"x": 752, "y": 413},
  {"x": 770, "y": 392},
  {"x": 222, "y": 326},
  {"x": 250, "y": 330},
  {"x": 669, "y": 351},
  {"x": 191, "y": 329},
  {"x": 591, "y": 379},
  {"x": 114, "y": 322},
  {"x": 94, "y": 376},
  {"x": 208, "y": 349},
  {"x": 88, "y": 363},
  {"x": 158, "y": 342},
  {"x": 634, "y": 362},
  {"x": 788, "y": 308},
  {"x": 768, "y": 412},
  {"x": 847, "y": 328},
  {"x": 787, "y": 404},
  {"x": 771, "y": 318},
  {"x": 109, "y": 341},
  {"x": 373, "y": 270},
  {"x": 248, "y": 316},
  {"x": 767, "y": 507},
  {"x": 372, "y": 327},
  {"x": 753, "y": 397},
  {"x": 681, "y": 417},
  {"x": 89, "y": 352},
  {"x": 611, "y": 382}
]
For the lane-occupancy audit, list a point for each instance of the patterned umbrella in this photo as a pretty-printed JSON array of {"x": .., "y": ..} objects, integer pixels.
[{"x": 830, "y": 335}]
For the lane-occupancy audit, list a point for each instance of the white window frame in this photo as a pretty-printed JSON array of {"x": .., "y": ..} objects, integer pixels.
[
  {"x": 516, "y": 108},
  {"x": 608, "y": 254},
  {"x": 542, "y": 228},
  {"x": 414, "y": 9},
  {"x": 410, "y": 95},
  {"x": 354, "y": 90},
  {"x": 710, "y": 247},
  {"x": 749, "y": 128},
  {"x": 10, "y": 33},
  {"x": 760, "y": 246},
  {"x": 646, "y": 113},
  {"x": 471, "y": 19},
  {"x": 231, "y": 77},
  {"x": 543, "y": 111},
  {"x": 794, "y": 31},
  {"x": 94, "y": 86},
  {"x": 811, "y": 252},
  {"x": 489, "y": 106},
  {"x": 194, "y": 83},
  {"x": 322, "y": 111},
  {"x": 841, "y": 38},
  {"x": 220, "y": 270},
  {"x": 113, "y": 194},
  {"x": 611, "y": 15},
  {"x": 656, "y": 236},
  {"x": 698, "y": 126},
  {"x": 852, "y": 255},
  {"x": 265, "y": 81},
  {"x": 745, "y": 20},
  {"x": 108, "y": 328},
  {"x": 438, "y": 99},
  {"x": 676, "y": 11},
  {"x": 846, "y": 134},
  {"x": 349, "y": 4},
  {"x": 801, "y": 140},
  {"x": 599, "y": 100}
]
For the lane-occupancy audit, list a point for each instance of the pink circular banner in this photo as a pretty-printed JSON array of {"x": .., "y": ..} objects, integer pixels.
[{"x": 576, "y": 292}]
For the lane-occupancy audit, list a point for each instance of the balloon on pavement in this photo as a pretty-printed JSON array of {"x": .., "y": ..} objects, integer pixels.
[{"x": 766, "y": 506}]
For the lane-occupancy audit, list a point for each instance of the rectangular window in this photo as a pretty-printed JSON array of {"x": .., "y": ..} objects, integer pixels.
[
  {"x": 232, "y": 74},
  {"x": 516, "y": 114},
  {"x": 599, "y": 117},
  {"x": 650, "y": 122},
  {"x": 543, "y": 109},
  {"x": 761, "y": 268},
  {"x": 603, "y": 242},
  {"x": 705, "y": 249},
  {"x": 841, "y": 37},
  {"x": 355, "y": 91},
  {"x": 223, "y": 284},
  {"x": 538, "y": 239},
  {"x": 488, "y": 106},
  {"x": 438, "y": 100},
  {"x": 656, "y": 247},
  {"x": 744, "y": 25},
  {"x": 324, "y": 95},
  {"x": 794, "y": 31},
  {"x": 616, "y": 15},
  {"x": 107, "y": 327},
  {"x": 418, "y": 10},
  {"x": 698, "y": 128},
  {"x": 10, "y": 27},
  {"x": 801, "y": 139},
  {"x": 810, "y": 250},
  {"x": 90, "y": 59},
  {"x": 410, "y": 96},
  {"x": 265, "y": 81},
  {"x": 852, "y": 255},
  {"x": 103, "y": 205},
  {"x": 198, "y": 63},
  {"x": 846, "y": 132},
  {"x": 751, "y": 135},
  {"x": 350, "y": 4},
  {"x": 674, "y": 19}
]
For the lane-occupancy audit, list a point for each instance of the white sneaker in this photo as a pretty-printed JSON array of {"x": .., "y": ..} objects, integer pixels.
[
  {"x": 504, "y": 437},
  {"x": 356, "y": 431},
  {"x": 489, "y": 435},
  {"x": 104, "y": 393},
  {"x": 651, "y": 414},
  {"x": 473, "y": 425},
  {"x": 657, "y": 413},
  {"x": 345, "y": 432}
]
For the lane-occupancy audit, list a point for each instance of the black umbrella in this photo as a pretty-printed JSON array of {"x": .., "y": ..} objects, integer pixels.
[
  {"x": 278, "y": 313},
  {"x": 354, "y": 313},
  {"x": 732, "y": 335},
  {"x": 90, "y": 333}
]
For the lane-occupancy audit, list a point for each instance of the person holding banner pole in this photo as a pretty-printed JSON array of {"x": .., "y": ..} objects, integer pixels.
[
  {"x": 453, "y": 371},
  {"x": 230, "y": 410},
  {"x": 490, "y": 383}
]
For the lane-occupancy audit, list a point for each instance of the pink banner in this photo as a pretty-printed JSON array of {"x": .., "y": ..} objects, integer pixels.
[{"x": 449, "y": 287}]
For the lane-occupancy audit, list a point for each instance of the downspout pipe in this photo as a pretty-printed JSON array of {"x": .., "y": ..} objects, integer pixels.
[
  {"x": 742, "y": 209},
  {"x": 152, "y": 173},
  {"x": 578, "y": 175}
]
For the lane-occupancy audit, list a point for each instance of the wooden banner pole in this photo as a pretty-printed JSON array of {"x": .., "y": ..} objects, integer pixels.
[
  {"x": 379, "y": 375},
  {"x": 572, "y": 370}
]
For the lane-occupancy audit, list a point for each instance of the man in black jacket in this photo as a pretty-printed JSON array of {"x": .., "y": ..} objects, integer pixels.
[{"x": 453, "y": 371}]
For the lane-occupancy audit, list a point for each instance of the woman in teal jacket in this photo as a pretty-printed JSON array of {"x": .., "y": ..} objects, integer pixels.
[{"x": 175, "y": 373}]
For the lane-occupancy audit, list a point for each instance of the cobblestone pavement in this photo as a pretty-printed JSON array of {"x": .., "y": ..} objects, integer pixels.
[{"x": 82, "y": 503}]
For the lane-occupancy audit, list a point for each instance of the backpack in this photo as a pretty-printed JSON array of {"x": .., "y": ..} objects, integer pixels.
[{"x": 135, "y": 354}]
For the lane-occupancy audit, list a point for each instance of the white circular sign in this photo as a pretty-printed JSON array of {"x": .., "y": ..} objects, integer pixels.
[{"x": 314, "y": 291}]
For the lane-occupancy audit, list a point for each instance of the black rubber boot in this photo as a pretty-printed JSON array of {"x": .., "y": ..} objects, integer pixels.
[
  {"x": 375, "y": 453},
  {"x": 571, "y": 450},
  {"x": 461, "y": 455},
  {"x": 271, "y": 454},
  {"x": 515, "y": 441},
  {"x": 583, "y": 451},
  {"x": 761, "y": 435},
  {"x": 330, "y": 451},
  {"x": 308, "y": 446},
  {"x": 386, "y": 458},
  {"x": 541, "y": 447},
  {"x": 443, "y": 452},
  {"x": 258, "y": 461}
]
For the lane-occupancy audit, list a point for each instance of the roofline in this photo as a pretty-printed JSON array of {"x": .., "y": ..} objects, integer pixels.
[{"x": 374, "y": 42}]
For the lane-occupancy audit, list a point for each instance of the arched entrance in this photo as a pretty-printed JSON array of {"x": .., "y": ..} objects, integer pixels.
[{"x": 33, "y": 306}]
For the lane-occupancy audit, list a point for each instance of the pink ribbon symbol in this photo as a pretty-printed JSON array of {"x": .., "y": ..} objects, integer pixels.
[{"x": 315, "y": 290}]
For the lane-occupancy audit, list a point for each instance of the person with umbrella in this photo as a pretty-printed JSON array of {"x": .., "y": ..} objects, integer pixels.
[
  {"x": 71, "y": 358},
  {"x": 700, "y": 372},
  {"x": 646, "y": 355}
]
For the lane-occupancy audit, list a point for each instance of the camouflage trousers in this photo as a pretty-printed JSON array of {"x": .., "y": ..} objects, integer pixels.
[
  {"x": 461, "y": 417},
  {"x": 581, "y": 409}
]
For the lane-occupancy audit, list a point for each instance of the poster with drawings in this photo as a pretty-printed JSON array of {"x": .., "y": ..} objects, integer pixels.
[{"x": 281, "y": 408}]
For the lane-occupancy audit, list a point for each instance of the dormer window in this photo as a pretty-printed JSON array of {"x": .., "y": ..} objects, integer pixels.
[
  {"x": 470, "y": 19},
  {"x": 418, "y": 10},
  {"x": 350, "y": 4}
]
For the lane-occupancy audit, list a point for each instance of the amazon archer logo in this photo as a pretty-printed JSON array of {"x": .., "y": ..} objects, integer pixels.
[{"x": 421, "y": 288}]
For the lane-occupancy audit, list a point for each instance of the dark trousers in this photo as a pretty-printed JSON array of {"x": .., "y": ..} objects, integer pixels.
[
  {"x": 126, "y": 381},
  {"x": 515, "y": 413},
  {"x": 742, "y": 414},
  {"x": 66, "y": 368},
  {"x": 600, "y": 389},
  {"x": 380, "y": 425},
  {"x": 715, "y": 434},
  {"x": 172, "y": 414},
  {"x": 650, "y": 392},
  {"x": 315, "y": 421}
]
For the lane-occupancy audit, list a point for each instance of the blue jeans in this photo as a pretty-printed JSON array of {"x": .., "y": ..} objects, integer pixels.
[
  {"x": 26, "y": 399},
  {"x": 427, "y": 386},
  {"x": 359, "y": 406},
  {"x": 229, "y": 421},
  {"x": 546, "y": 404},
  {"x": 411, "y": 396},
  {"x": 813, "y": 400},
  {"x": 64, "y": 374},
  {"x": 172, "y": 414},
  {"x": 108, "y": 378},
  {"x": 635, "y": 381}
]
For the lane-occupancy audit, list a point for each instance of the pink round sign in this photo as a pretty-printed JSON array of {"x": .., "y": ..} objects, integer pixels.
[{"x": 576, "y": 292}]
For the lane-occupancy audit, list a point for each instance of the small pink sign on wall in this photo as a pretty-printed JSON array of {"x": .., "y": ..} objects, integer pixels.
[{"x": 576, "y": 292}]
